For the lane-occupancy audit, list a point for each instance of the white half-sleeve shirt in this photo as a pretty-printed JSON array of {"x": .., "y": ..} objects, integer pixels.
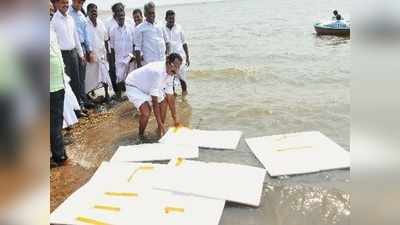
[
  {"x": 121, "y": 40},
  {"x": 150, "y": 40},
  {"x": 176, "y": 39},
  {"x": 152, "y": 79},
  {"x": 98, "y": 36}
]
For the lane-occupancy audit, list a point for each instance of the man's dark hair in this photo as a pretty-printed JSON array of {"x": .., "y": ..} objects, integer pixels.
[
  {"x": 147, "y": 6},
  {"x": 338, "y": 17},
  {"x": 169, "y": 13},
  {"x": 135, "y": 11},
  {"x": 90, "y": 7},
  {"x": 335, "y": 12},
  {"x": 173, "y": 56},
  {"x": 116, "y": 5}
]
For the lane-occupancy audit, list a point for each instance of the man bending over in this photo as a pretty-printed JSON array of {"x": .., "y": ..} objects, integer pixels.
[{"x": 151, "y": 86}]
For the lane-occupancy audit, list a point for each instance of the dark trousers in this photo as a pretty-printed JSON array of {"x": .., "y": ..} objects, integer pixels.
[
  {"x": 56, "y": 124},
  {"x": 112, "y": 72},
  {"x": 82, "y": 78},
  {"x": 72, "y": 69}
]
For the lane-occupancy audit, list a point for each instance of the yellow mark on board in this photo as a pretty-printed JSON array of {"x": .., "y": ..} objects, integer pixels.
[
  {"x": 179, "y": 161},
  {"x": 169, "y": 209},
  {"x": 108, "y": 208},
  {"x": 90, "y": 221},
  {"x": 144, "y": 167},
  {"x": 122, "y": 194},
  {"x": 292, "y": 148}
]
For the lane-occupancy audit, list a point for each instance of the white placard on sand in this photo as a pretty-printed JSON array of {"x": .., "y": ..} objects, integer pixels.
[
  {"x": 298, "y": 153},
  {"x": 121, "y": 202},
  {"x": 231, "y": 182},
  {"x": 202, "y": 138},
  {"x": 154, "y": 152}
]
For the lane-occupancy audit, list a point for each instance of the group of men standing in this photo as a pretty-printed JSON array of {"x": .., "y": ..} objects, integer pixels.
[{"x": 145, "y": 59}]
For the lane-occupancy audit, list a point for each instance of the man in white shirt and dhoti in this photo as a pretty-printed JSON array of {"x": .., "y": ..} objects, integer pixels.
[
  {"x": 97, "y": 71},
  {"x": 177, "y": 42},
  {"x": 150, "y": 39},
  {"x": 151, "y": 86},
  {"x": 121, "y": 44}
]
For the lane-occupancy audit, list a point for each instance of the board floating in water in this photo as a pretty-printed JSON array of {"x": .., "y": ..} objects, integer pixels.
[
  {"x": 298, "y": 153},
  {"x": 202, "y": 138},
  {"x": 230, "y": 182},
  {"x": 153, "y": 152}
]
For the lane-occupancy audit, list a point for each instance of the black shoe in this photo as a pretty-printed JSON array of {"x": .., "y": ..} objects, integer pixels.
[
  {"x": 58, "y": 162},
  {"x": 67, "y": 140},
  {"x": 89, "y": 105},
  {"x": 124, "y": 98},
  {"x": 80, "y": 114},
  {"x": 107, "y": 99}
]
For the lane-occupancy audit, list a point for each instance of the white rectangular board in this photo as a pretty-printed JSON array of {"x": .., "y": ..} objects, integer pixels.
[
  {"x": 230, "y": 182},
  {"x": 120, "y": 202},
  {"x": 298, "y": 153},
  {"x": 202, "y": 138},
  {"x": 133, "y": 175},
  {"x": 151, "y": 207},
  {"x": 154, "y": 152}
]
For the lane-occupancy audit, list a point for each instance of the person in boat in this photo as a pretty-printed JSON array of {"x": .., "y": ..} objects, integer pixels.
[{"x": 336, "y": 14}]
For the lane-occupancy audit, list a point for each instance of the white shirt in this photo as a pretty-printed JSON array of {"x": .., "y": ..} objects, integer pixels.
[
  {"x": 67, "y": 35},
  {"x": 111, "y": 23},
  {"x": 151, "y": 79},
  {"x": 98, "y": 36},
  {"x": 150, "y": 40},
  {"x": 176, "y": 39},
  {"x": 121, "y": 40}
]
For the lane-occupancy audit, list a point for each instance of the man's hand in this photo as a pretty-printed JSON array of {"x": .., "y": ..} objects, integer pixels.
[
  {"x": 83, "y": 60},
  {"x": 92, "y": 58},
  {"x": 177, "y": 124}
]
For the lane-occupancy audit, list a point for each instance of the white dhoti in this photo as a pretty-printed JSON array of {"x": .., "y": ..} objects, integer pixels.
[
  {"x": 96, "y": 75},
  {"x": 138, "y": 97},
  {"x": 70, "y": 104},
  {"x": 123, "y": 68}
]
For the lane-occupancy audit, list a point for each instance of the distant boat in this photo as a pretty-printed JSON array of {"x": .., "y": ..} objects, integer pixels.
[{"x": 332, "y": 28}]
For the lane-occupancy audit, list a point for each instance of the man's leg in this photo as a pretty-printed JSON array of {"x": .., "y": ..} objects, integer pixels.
[
  {"x": 82, "y": 79},
  {"x": 112, "y": 72},
  {"x": 163, "y": 110},
  {"x": 107, "y": 95},
  {"x": 56, "y": 123},
  {"x": 71, "y": 62},
  {"x": 145, "y": 111},
  {"x": 183, "y": 86}
]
